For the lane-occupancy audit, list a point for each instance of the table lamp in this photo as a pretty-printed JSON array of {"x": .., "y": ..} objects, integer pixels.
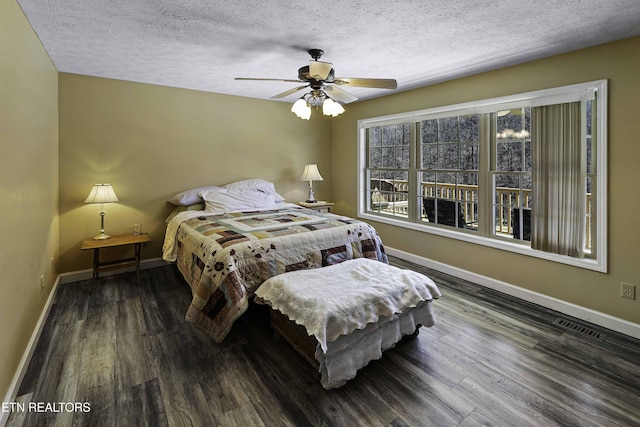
[
  {"x": 101, "y": 193},
  {"x": 311, "y": 174}
]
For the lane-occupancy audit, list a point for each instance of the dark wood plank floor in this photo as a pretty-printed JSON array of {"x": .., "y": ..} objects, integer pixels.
[{"x": 490, "y": 360}]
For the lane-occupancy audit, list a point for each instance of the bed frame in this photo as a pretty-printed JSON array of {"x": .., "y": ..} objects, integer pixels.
[{"x": 304, "y": 344}]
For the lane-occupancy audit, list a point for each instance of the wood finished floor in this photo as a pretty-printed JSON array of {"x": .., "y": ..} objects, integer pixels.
[{"x": 490, "y": 360}]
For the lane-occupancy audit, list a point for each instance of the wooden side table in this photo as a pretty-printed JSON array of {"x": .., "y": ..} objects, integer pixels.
[
  {"x": 319, "y": 206},
  {"x": 115, "y": 241}
]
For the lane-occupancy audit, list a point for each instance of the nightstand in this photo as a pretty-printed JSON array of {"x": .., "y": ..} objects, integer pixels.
[
  {"x": 116, "y": 241},
  {"x": 318, "y": 206}
]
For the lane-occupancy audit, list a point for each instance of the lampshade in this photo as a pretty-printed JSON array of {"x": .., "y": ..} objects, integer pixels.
[
  {"x": 101, "y": 193},
  {"x": 316, "y": 98},
  {"x": 311, "y": 173},
  {"x": 331, "y": 108},
  {"x": 301, "y": 109}
]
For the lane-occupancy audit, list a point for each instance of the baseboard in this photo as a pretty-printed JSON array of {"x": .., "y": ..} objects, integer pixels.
[
  {"x": 12, "y": 393},
  {"x": 595, "y": 317},
  {"x": 76, "y": 276}
]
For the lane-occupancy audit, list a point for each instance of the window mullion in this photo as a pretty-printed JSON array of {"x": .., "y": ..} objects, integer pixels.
[
  {"x": 487, "y": 162},
  {"x": 414, "y": 158}
]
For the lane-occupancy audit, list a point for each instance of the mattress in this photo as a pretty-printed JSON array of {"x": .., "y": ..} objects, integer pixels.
[{"x": 226, "y": 257}]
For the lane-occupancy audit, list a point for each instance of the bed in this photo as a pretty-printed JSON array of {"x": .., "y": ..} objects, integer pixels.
[{"x": 246, "y": 234}]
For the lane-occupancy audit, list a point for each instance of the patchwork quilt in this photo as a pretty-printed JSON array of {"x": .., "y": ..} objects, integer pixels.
[{"x": 225, "y": 258}]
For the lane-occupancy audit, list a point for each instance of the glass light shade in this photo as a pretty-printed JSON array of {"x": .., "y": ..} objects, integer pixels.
[
  {"x": 337, "y": 109},
  {"x": 101, "y": 193},
  {"x": 301, "y": 109},
  {"x": 319, "y": 70},
  {"x": 311, "y": 173},
  {"x": 331, "y": 108},
  {"x": 327, "y": 107}
]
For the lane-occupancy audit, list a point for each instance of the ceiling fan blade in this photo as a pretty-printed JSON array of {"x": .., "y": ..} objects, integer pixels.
[
  {"x": 289, "y": 92},
  {"x": 375, "y": 83},
  {"x": 339, "y": 94},
  {"x": 319, "y": 70},
  {"x": 267, "y": 80}
]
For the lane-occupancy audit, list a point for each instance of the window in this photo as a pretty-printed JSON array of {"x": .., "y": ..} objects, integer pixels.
[
  {"x": 525, "y": 173},
  {"x": 510, "y": 172},
  {"x": 448, "y": 170},
  {"x": 389, "y": 156}
]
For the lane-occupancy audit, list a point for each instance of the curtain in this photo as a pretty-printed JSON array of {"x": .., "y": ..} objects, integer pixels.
[{"x": 558, "y": 179}]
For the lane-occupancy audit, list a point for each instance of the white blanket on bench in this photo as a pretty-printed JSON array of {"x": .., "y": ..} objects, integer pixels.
[{"x": 339, "y": 299}]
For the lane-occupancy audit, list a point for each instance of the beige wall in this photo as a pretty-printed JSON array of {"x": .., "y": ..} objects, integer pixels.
[
  {"x": 28, "y": 184},
  {"x": 619, "y": 63},
  {"x": 151, "y": 142}
]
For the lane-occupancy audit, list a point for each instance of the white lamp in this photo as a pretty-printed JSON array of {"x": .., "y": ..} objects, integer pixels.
[
  {"x": 311, "y": 174},
  {"x": 101, "y": 193}
]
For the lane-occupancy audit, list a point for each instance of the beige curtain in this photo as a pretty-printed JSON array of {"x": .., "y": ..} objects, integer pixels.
[{"x": 558, "y": 172}]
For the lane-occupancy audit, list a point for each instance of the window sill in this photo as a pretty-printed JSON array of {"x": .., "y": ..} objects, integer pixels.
[{"x": 586, "y": 263}]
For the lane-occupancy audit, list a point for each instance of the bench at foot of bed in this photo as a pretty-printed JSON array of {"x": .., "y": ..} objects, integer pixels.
[{"x": 343, "y": 316}]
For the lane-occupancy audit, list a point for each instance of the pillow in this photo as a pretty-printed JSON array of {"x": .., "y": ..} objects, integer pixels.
[
  {"x": 257, "y": 184},
  {"x": 189, "y": 197},
  {"x": 254, "y": 183},
  {"x": 276, "y": 197},
  {"x": 222, "y": 200},
  {"x": 178, "y": 209}
]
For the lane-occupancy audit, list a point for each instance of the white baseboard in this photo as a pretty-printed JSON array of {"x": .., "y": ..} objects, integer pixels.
[
  {"x": 616, "y": 324},
  {"x": 76, "y": 276},
  {"x": 12, "y": 393},
  {"x": 597, "y": 318}
]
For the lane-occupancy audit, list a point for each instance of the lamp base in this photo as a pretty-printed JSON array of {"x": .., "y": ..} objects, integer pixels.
[
  {"x": 311, "y": 201},
  {"x": 102, "y": 236}
]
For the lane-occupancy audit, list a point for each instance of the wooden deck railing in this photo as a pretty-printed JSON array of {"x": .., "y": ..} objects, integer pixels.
[{"x": 467, "y": 195}]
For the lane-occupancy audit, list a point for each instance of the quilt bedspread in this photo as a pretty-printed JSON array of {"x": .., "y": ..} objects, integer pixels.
[{"x": 225, "y": 258}]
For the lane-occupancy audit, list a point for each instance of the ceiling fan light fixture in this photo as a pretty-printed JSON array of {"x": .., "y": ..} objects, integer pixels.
[
  {"x": 331, "y": 108},
  {"x": 301, "y": 109}
]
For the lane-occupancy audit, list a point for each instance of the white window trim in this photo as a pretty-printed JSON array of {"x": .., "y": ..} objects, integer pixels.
[{"x": 546, "y": 96}]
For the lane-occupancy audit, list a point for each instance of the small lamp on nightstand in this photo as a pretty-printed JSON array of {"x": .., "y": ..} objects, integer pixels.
[
  {"x": 311, "y": 174},
  {"x": 101, "y": 193}
]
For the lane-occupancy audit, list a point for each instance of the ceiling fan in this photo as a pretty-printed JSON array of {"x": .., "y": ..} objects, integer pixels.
[{"x": 320, "y": 77}]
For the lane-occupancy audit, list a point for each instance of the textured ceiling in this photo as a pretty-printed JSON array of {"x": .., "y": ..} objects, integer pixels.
[{"x": 204, "y": 44}]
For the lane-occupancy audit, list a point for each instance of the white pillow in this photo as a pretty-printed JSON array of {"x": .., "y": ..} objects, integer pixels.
[
  {"x": 276, "y": 197},
  {"x": 224, "y": 200},
  {"x": 189, "y": 197},
  {"x": 258, "y": 184}
]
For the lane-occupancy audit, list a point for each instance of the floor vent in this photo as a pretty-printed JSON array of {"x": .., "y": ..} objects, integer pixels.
[{"x": 581, "y": 329}]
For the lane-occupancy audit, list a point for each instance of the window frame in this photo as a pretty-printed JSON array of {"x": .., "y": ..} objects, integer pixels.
[{"x": 549, "y": 96}]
